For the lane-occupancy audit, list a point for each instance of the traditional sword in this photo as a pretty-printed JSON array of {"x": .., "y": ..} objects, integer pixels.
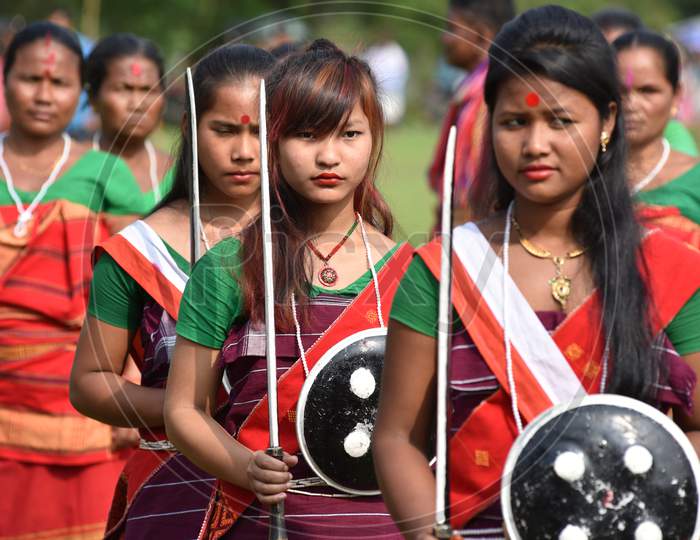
[
  {"x": 278, "y": 528},
  {"x": 442, "y": 523},
  {"x": 195, "y": 222}
]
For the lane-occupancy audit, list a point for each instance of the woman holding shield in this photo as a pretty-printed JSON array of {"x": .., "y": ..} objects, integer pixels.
[
  {"x": 335, "y": 273},
  {"x": 607, "y": 320}
]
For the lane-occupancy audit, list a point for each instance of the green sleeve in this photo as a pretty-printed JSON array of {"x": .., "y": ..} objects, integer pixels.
[
  {"x": 416, "y": 301},
  {"x": 684, "y": 329},
  {"x": 122, "y": 195},
  {"x": 212, "y": 299},
  {"x": 680, "y": 138},
  {"x": 115, "y": 298}
]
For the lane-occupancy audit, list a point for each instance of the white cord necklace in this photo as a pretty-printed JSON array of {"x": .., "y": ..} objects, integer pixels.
[
  {"x": 375, "y": 280},
  {"x": 644, "y": 182},
  {"x": 203, "y": 235},
  {"x": 152, "y": 162},
  {"x": 506, "y": 329},
  {"x": 25, "y": 214},
  {"x": 153, "y": 175},
  {"x": 506, "y": 325}
]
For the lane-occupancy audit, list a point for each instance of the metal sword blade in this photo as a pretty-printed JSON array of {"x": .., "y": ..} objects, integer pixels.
[
  {"x": 268, "y": 273},
  {"x": 444, "y": 305},
  {"x": 278, "y": 529},
  {"x": 195, "y": 221}
]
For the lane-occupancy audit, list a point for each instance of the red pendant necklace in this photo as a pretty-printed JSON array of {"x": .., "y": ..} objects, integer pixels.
[{"x": 328, "y": 275}]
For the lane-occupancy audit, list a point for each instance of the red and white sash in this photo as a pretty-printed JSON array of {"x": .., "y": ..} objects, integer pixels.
[
  {"x": 254, "y": 432},
  {"x": 548, "y": 369},
  {"x": 143, "y": 255},
  {"x": 536, "y": 357}
]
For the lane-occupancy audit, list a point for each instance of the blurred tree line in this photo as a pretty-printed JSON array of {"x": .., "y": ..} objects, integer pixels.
[{"x": 185, "y": 29}]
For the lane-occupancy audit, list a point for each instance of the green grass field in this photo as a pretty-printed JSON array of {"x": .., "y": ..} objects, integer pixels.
[{"x": 408, "y": 150}]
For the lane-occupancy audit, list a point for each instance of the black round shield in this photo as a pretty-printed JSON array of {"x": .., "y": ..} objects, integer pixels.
[
  {"x": 336, "y": 412},
  {"x": 625, "y": 472}
]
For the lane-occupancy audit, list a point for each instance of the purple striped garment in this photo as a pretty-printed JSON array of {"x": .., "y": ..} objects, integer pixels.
[
  {"x": 308, "y": 516},
  {"x": 471, "y": 382},
  {"x": 172, "y": 503}
]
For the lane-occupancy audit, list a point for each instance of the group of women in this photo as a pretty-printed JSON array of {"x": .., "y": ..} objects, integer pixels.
[
  {"x": 59, "y": 198},
  {"x": 578, "y": 185}
]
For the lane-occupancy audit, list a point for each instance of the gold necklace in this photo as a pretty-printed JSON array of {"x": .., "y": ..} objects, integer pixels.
[{"x": 560, "y": 284}]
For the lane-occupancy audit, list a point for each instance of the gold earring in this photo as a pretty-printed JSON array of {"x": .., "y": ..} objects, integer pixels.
[
  {"x": 674, "y": 112},
  {"x": 604, "y": 141}
]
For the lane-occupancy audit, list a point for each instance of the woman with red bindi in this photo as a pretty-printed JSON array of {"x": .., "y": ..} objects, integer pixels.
[
  {"x": 666, "y": 182},
  {"x": 135, "y": 296},
  {"x": 125, "y": 82},
  {"x": 334, "y": 261},
  {"x": 56, "y": 201}
]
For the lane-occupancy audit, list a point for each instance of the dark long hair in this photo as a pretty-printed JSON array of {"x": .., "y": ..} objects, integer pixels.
[
  {"x": 42, "y": 30},
  {"x": 566, "y": 47},
  {"x": 117, "y": 46},
  {"x": 665, "y": 48},
  {"x": 229, "y": 64},
  {"x": 313, "y": 90}
]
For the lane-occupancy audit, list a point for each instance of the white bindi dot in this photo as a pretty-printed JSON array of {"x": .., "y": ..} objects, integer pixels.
[
  {"x": 572, "y": 532},
  {"x": 362, "y": 383},
  {"x": 569, "y": 466},
  {"x": 638, "y": 459},
  {"x": 357, "y": 442},
  {"x": 648, "y": 531}
]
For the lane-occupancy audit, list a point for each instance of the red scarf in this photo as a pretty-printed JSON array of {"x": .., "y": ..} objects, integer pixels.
[{"x": 479, "y": 449}]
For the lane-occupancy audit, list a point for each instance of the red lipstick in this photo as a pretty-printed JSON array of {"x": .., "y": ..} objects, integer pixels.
[
  {"x": 538, "y": 173},
  {"x": 327, "y": 179}
]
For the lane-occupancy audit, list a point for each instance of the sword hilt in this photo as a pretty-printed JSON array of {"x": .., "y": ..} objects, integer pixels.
[
  {"x": 443, "y": 531},
  {"x": 278, "y": 526}
]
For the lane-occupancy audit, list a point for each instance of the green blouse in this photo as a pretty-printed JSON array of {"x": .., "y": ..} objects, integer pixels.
[
  {"x": 680, "y": 138},
  {"x": 212, "y": 301},
  {"x": 416, "y": 306},
  {"x": 96, "y": 180},
  {"x": 149, "y": 200},
  {"x": 115, "y": 297},
  {"x": 682, "y": 192}
]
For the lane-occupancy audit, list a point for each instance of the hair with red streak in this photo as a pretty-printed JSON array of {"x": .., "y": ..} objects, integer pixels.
[{"x": 312, "y": 90}]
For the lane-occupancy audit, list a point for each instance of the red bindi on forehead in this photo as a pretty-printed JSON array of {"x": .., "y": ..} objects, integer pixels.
[
  {"x": 629, "y": 78},
  {"x": 245, "y": 119},
  {"x": 50, "y": 58},
  {"x": 532, "y": 99},
  {"x": 136, "y": 69}
]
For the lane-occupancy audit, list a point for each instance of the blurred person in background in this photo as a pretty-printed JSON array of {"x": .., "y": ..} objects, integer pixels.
[
  {"x": 687, "y": 33},
  {"x": 55, "y": 199},
  {"x": 665, "y": 181},
  {"x": 125, "y": 83},
  {"x": 614, "y": 22},
  {"x": 84, "y": 122},
  {"x": 391, "y": 68},
  {"x": 471, "y": 26}
]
